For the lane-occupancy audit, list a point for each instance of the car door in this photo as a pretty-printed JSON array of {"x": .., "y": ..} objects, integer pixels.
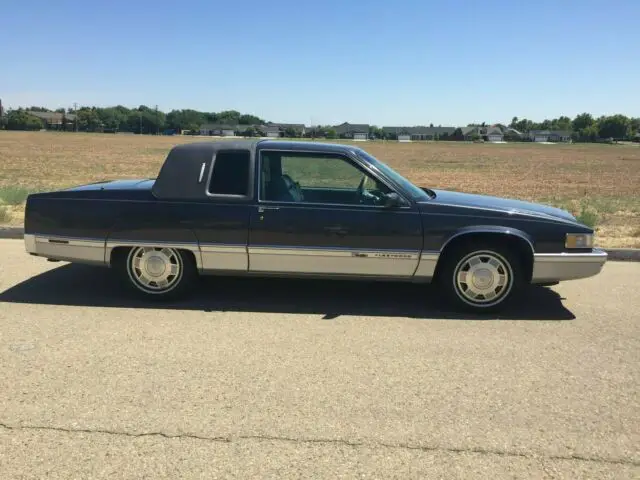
[{"x": 311, "y": 218}]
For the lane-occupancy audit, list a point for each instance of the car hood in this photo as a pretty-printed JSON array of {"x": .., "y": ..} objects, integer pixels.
[{"x": 507, "y": 205}]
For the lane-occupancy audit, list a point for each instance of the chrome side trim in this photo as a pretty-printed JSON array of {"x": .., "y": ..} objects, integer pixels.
[
  {"x": 336, "y": 252},
  {"x": 333, "y": 261},
  {"x": 554, "y": 267},
  {"x": 114, "y": 243},
  {"x": 85, "y": 250},
  {"x": 427, "y": 265},
  {"x": 347, "y": 205},
  {"x": 224, "y": 257}
]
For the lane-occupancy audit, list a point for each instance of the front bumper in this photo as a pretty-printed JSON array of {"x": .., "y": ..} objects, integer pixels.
[{"x": 556, "y": 267}]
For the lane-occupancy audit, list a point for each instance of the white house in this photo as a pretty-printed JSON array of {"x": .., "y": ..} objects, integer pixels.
[
  {"x": 218, "y": 130},
  {"x": 539, "y": 135},
  {"x": 550, "y": 135},
  {"x": 272, "y": 131},
  {"x": 494, "y": 134},
  {"x": 488, "y": 134},
  {"x": 281, "y": 129}
]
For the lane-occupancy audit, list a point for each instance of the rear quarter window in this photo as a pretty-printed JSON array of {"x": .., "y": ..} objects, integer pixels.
[{"x": 230, "y": 174}]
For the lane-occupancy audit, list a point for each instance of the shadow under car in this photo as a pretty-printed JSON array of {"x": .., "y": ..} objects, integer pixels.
[{"x": 80, "y": 285}]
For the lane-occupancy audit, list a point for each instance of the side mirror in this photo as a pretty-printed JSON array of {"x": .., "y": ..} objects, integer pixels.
[{"x": 392, "y": 200}]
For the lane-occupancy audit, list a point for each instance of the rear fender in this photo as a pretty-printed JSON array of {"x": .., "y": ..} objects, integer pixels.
[{"x": 184, "y": 239}]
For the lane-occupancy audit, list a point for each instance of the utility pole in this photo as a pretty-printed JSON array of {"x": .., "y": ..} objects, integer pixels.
[
  {"x": 157, "y": 122},
  {"x": 75, "y": 115}
]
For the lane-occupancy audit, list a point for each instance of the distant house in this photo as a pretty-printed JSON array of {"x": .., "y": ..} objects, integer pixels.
[
  {"x": 431, "y": 133},
  {"x": 539, "y": 135},
  {"x": 270, "y": 131},
  {"x": 560, "y": 136},
  {"x": 550, "y": 135},
  {"x": 417, "y": 133},
  {"x": 512, "y": 133},
  {"x": 488, "y": 133},
  {"x": 54, "y": 120},
  {"x": 402, "y": 134},
  {"x": 493, "y": 134},
  {"x": 280, "y": 129},
  {"x": 352, "y": 131},
  {"x": 273, "y": 130},
  {"x": 220, "y": 130}
]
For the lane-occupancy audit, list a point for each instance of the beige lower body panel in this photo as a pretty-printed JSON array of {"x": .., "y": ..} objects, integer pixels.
[
  {"x": 224, "y": 257},
  {"x": 240, "y": 258},
  {"x": 332, "y": 262},
  {"x": 427, "y": 266}
]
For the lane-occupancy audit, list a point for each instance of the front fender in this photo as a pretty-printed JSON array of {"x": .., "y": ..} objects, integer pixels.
[{"x": 493, "y": 229}]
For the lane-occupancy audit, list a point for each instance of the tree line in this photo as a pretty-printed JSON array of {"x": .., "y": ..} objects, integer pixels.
[
  {"x": 144, "y": 119},
  {"x": 147, "y": 120},
  {"x": 585, "y": 127}
]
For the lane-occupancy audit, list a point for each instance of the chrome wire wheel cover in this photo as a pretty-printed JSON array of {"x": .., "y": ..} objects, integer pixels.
[
  {"x": 483, "y": 278},
  {"x": 154, "y": 269}
]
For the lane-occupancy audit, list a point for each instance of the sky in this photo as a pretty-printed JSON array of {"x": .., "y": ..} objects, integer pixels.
[{"x": 411, "y": 62}]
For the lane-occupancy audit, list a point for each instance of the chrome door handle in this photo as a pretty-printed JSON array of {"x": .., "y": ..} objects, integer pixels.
[
  {"x": 261, "y": 208},
  {"x": 337, "y": 230}
]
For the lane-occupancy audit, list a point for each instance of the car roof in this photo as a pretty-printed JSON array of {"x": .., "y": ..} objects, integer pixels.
[
  {"x": 251, "y": 143},
  {"x": 305, "y": 145}
]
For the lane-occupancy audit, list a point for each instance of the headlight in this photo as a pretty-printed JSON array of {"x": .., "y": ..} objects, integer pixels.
[{"x": 579, "y": 240}]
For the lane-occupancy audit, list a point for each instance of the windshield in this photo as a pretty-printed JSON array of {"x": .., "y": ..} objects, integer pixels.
[{"x": 415, "y": 192}]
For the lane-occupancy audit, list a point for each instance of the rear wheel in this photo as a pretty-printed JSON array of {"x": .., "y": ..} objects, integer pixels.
[
  {"x": 481, "y": 277},
  {"x": 157, "y": 273}
]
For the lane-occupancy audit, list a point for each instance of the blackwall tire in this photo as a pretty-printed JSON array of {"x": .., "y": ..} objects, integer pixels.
[
  {"x": 481, "y": 277},
  {"x": 157, "y": 273}
]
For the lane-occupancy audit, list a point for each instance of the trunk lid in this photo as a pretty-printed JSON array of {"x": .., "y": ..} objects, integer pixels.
[{"x": 128, "y": 184}]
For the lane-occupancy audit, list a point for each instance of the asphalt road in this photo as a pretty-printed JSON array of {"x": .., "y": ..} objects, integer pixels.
[{"x": 293, "y": 379}]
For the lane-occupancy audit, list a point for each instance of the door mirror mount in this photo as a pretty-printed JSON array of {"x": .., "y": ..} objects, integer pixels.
[{"x": 392, "y": 200}]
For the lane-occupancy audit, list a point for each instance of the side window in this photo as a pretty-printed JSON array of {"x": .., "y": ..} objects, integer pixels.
[
  {"x": 321, "y": 171},
  {"x": 230, "y": 174},
  {"x": 316, "y": 178}
]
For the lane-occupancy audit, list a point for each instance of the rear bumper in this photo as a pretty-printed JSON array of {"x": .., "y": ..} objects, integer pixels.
[
  {"x": 556, "y": 267},
  {"x": 88, "y": 251}
]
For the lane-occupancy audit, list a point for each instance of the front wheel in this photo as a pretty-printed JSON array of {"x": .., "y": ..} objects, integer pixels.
[
  {"x": 481, "y": 277},
  {"x": 157, "y": 273}
]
